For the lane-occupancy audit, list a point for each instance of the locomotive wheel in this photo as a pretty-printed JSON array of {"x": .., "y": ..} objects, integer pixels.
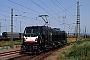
[
  {"x": 22, "y": 48},
  {"x": 38, "y": 51}
]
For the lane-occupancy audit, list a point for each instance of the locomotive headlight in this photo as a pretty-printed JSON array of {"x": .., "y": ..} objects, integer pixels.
[
  {"x": 36, "y": 39},
  {"x": 25, "y": 39}
]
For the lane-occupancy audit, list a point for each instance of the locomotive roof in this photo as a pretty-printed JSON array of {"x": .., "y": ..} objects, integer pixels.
[
  {"x": 46, "y": 28},
  {"x": 43, "y": 27},
  {"x": 36, "y": 26},
  {"x": 10, "y": 32}
]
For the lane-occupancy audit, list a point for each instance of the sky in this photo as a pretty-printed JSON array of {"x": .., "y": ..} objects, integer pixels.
[{"x": 60, "y": 14}]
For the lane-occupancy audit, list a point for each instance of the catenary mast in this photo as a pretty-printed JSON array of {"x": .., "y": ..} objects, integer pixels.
[{"x": 78, "y": 21}]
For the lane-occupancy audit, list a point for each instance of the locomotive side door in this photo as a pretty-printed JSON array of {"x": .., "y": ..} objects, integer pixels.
[{"x": 50, "y": 36}]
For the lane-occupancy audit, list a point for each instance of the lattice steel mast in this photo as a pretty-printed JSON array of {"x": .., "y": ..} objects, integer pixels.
[
  {"x": 11, "y": 21},
  {"x": 78, "y": 21}
]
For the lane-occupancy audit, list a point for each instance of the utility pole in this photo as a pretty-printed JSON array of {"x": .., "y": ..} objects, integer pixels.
[
  {"x": 0, "y": 26},
  {"x": 20, "y": 26},
  {"x": 78, "y": 21},
  {"x": 76, "y": 32},
  {"x": 12, "y": 28},
  {"x": 85, "y": 32},
  {"x": 46, "y": 21},
  {"x": 11, "y": 21},
  {"x": 64, "y": 21}
]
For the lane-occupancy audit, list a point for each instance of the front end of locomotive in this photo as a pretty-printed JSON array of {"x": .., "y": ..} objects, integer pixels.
[{"x": 31, "y": 41}]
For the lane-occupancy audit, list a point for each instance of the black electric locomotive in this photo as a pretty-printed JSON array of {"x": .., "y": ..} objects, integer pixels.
[{"x": 37, "y": 39}]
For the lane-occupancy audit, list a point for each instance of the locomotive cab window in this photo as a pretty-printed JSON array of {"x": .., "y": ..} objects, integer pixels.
[{"x": 31, "y": 30}]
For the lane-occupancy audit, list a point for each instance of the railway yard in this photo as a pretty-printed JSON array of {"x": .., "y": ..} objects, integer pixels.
[
  {"x": 40, "y": 46},
  {"x": 44, "y": 30},
  {"x": 14, "y": 54},
  {"x": 56, "y": 54}
]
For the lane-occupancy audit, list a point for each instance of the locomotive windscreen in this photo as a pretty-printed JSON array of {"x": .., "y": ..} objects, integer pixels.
[{"x": 30, "y": 30}]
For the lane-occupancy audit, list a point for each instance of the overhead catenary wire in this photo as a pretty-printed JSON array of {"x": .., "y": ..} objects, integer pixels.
[
  {"x": 5, "y": 11},
  {"x": 40, "y": 7},
  {"x": 61, "y": 8},
  {"x": 64, "y": 7},
  {"x": 50, "y": 8},
  {"x": 45, "y": 10},
  {"x": 46, "y": 5},
  {"x": 17, "y": 9},
  {"x": 13, "y": 15},
  {"x": 27, "y": 8},
  {"x": 24, "y": 6},
  {"x": 4, "y": 15},
  {"x": 54, "y": 11}
]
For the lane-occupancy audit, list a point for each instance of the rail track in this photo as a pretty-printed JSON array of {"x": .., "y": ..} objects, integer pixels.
[
  {"x": 32, "y": 57},
  {"x": 7, "y": 55},
  {"x": 41, "y": 56}
]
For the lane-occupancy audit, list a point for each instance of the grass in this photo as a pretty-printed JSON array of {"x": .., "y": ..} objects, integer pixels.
[
  {"x": 49, "y": 59},
  {"x": 54, "y": 53},
  {"x": 70, "y": 40},
  {"x": 10, "y": 43},
  {"x": 79, "y": 51}
]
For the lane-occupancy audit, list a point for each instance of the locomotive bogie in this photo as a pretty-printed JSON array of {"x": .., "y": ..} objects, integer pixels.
[{"x": 30, "y": 49}]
